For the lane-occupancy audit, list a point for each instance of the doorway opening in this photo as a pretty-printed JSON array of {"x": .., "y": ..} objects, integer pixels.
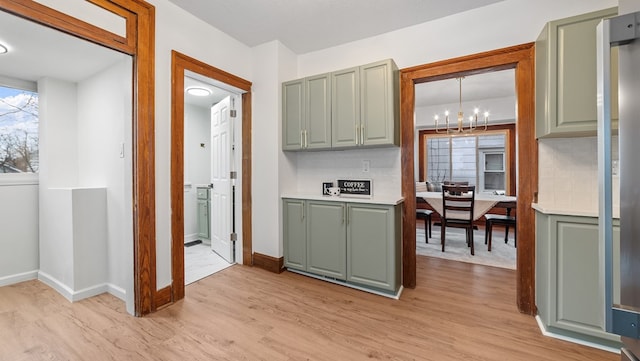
[
  {"x": 233, "y": 175},
  {"x": 521, "y": 59},
  {"x": 480, "y": 153},
  {"x": 212, "y": 133}
]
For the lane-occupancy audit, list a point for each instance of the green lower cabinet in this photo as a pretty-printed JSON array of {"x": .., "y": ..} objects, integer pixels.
[
  {"x": 354, "y": 244},
  {"x": 570, "y": 277},
  {"x": 326, "y": 239},
  {"x": 372, "y": 260},
  {"x": 295, "y": 234}
]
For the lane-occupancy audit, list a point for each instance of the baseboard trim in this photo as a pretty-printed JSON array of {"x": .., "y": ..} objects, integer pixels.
[
  {"x": 558, "y": 336},
  {"x": 163, "y": 296},
  {"x": 271, "y": 264},
  {"x": 67, "y": 292},
  {"x": 19, "y": 277},
  {"x": 190, "y": 237}
]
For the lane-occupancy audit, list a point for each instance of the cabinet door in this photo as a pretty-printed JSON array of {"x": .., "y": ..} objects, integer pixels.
[
  {"x": 317, "y": 129},
  {"x": 295, "y": 234},
  {"x": 379, "y": 104},
  {"x": 574, "y": 279},
  {"x": 373, "y": 243},
  {"x": 326, "y": 239},
  {"x": 345, "y": 108},
  {"x": 566, "y": 76},
  {"x": 203, "y": 218},
  {"x": 293, "y": 114}
]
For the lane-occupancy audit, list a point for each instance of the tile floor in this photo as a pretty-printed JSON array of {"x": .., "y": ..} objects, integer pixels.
[{"x": 200, "y": 261}]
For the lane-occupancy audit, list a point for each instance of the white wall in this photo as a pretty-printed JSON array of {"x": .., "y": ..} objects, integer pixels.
[
  {"x": 104, "y": 123},
  {"x": 178, "y": 30},
  {"x": 19, "y": 251},
  {"x": 197, "y": 168},
  {"x": 495, "y": 26},
  {"x": 85, "y": 142}
]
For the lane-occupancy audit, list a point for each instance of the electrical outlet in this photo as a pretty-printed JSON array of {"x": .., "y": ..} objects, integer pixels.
[{"x": 366, "y": 165}]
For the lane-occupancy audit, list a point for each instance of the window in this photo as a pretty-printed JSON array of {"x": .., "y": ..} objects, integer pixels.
[
  {"x": 18, "y": 130},
  {"x": 479, "y": 159}
]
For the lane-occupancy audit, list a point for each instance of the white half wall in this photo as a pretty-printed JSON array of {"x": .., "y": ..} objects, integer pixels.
[{"x": 104, "y": 153}]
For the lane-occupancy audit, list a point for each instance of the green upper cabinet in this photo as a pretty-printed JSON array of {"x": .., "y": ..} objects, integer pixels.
[
  {"x": 306, "y": 113},
  {"x": 365, "y": 106},
  {"x": 566, "y": 76},
  {"x": 349, "y": 108},
  {"x": 345, "y": 108},
  {"x": 293, "y": 114},
  {"x": 380, "y": 104},
  {"x": 317, "y": 132}
]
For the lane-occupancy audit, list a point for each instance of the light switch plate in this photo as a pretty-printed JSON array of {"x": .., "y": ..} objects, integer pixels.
[{"x": 366, "y": 165}]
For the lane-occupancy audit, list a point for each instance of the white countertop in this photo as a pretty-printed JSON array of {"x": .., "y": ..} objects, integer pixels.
[
  {"x": 570, "y": 212},
  {"x": 386, "y": 200}
]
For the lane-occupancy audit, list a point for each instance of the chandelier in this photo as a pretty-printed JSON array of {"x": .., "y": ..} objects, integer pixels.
[{"x": 472, "y": 125}]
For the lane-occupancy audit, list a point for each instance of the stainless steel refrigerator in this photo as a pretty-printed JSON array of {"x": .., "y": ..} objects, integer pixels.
[{"x": 622, "y": 299}]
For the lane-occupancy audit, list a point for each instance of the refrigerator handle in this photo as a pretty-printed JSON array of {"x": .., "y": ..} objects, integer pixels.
[{"x": 605, "y": 217}]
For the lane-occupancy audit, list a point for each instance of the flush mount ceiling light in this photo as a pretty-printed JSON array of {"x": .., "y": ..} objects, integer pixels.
[
  {"x": 198, "y": 91},
  {"x": 3, "y": 49}
]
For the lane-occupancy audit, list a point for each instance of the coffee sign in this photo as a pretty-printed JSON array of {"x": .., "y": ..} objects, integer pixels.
[{"x": 355, "y": 187}]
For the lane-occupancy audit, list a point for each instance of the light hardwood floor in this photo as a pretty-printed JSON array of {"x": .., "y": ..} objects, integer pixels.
[{"x": 458, "y": 311}]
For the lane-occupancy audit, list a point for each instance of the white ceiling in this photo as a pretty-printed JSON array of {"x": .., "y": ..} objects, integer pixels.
[
  {"x": 37, "y": 51},
  {"x": 309, "y": 25}
]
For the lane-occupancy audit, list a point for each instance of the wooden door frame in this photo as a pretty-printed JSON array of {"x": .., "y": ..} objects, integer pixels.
[
  {"x": 520, "y": 58},
  {"x": 138, "y": 42},
  {"x": 180, "y": 63}
]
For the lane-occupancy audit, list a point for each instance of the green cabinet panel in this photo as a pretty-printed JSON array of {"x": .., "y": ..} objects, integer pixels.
[
  {"x": 293, "y": 113},
  {"x": 380, "y": 104},
  {"x": 326, "y": 239},
  {"x": 203, "y": 218},
  {"x": 566, "y": 76},
  {"x": 372, "y": 260},
  {"x": 306, "y": 113},
  {"x": 317, "y": 132},
  {"x": 345, "y": 108},
  {"x": 295, "y": 234},
  {"x": 570, "y": 276}
]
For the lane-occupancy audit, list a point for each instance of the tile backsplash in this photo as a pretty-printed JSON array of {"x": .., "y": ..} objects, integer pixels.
[
  {"x": 568, "y": 173},
  {"x": 313, "y": 168}
]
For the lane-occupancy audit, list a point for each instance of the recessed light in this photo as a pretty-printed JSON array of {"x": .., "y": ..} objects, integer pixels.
[
  {"x": 3, "y": 49},
  {"x": 198, "y": 91}
]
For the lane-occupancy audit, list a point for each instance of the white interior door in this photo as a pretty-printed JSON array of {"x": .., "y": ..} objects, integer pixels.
[{"x": 221, "y": 192}]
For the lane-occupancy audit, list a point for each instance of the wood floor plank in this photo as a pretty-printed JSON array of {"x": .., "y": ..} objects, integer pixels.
[{"x": 458, "y": 311}]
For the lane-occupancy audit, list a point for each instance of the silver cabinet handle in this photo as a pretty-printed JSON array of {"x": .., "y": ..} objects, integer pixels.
[
  {"x": 303, "y": 206},
  {"x": 306, "y": 139},
  {"x": 301, "y": 138},
  {"x": 362, "y": 135},
  {"x": 357, "y": 134},
  {"x": 344, "y": 214}
]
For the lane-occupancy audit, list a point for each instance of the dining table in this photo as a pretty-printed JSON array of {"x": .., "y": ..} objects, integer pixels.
[{"x": 483, "y": 202}]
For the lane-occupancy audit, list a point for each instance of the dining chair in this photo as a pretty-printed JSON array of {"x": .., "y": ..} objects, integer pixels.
[
  {"x": 425, "y": 215},
  {"x": 457, "y": 211},
  {"x": 500, "y": 220}
]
